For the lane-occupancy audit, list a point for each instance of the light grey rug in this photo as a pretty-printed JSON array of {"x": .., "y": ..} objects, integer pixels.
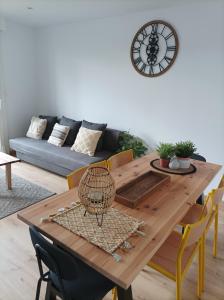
[{"x": 23, "y": 194}]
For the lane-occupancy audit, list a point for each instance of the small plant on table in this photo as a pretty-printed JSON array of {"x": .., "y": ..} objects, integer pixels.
[
  {"x": 165, "y": 151},
  {"x": 183, "y": 152}
]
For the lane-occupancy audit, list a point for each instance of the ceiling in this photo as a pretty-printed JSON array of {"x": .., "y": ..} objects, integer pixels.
[{"x": 38, "y": 13}]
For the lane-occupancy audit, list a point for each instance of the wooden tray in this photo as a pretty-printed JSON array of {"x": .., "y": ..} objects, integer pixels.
[
  {"x": 156, "y": 164},
  {"x": 135, "y": 191}
]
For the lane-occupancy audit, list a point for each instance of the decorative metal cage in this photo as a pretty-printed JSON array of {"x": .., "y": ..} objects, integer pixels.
[{"x": 96, "y": 191}]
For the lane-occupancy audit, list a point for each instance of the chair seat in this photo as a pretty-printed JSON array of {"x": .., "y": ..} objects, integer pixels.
[
  {"x": 165, "y": 259},
  {"x": 90, "y": 285},
  {"x": 193, "y": 215}
]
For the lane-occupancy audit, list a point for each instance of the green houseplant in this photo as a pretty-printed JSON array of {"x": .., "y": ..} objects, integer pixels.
[
  {"x": 128, "y": 141},
  {"x": 183, "y": 152},
  {"x": 165, "y": 151}
]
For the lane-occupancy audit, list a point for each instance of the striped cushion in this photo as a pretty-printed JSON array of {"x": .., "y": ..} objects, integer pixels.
[{"x": 58, "y": 135}]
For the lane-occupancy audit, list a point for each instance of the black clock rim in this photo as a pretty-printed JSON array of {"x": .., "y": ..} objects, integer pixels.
[{"x": 175, "y": 54}]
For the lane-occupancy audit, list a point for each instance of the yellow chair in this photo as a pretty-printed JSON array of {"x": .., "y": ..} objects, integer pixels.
[
  {"x": 175, "y": 256},
  {"x": 74, "y": 178},
  {"x": 196, "y": 212},
  {"x": 120, "y": 159}
]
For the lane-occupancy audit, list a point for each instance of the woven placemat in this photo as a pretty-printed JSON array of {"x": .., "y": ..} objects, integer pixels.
[{"x": 117, "y": 227}]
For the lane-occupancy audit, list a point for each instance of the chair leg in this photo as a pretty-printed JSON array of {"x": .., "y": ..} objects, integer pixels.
[
  {"x": 200, "y": 270},
  {"x": 178, "y": 290},
  {"x": 215, "y": 241},
  {"x": 50, "y": 295},
  {"x": 124, "y": 294},
  {"x": 178, "y": 285},
  {"x": 114, "y": 293},
  {"x": 38, "y": 289},
  {"x": 203, "y": 263}
]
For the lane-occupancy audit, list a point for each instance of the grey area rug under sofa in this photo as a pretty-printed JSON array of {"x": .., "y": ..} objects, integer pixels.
[{"x": 23, "y": 194}]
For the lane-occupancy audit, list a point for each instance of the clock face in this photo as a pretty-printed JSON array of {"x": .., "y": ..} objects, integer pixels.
[{"x": 154, "y": 48}]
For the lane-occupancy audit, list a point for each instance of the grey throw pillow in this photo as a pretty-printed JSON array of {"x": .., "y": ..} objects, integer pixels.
[
  {"x": 51, "y": 120},
  {"x": 74, "y": 129}
]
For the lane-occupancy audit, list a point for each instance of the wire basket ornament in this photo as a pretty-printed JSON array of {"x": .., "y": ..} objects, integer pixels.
[{"x": 97, "y": 191}]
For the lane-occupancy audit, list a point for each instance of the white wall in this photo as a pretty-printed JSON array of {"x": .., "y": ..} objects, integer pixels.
[
  {"x": 19, "y": 74},
  {"x": 85, "y": 72}
]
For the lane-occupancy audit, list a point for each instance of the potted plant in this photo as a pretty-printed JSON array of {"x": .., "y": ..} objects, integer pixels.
[
  {"x": 165, "y": 151},
  {"x": 128, "y": 141},
  {"x": 183, "y": 152}
]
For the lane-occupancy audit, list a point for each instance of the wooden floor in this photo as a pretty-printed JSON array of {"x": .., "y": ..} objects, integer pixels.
[{"x": 19, "y": 273}]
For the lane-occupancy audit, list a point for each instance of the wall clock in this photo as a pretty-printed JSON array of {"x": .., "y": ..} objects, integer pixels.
[{"x": 154, "y": 48}]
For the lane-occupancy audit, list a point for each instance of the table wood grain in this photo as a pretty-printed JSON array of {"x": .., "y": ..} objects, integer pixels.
[{"x": 160, "y": 211}]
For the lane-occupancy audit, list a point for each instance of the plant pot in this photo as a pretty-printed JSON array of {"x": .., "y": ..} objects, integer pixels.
[
  {"x": 184, "y": 162},
  {"x": 164, "y": 163}
]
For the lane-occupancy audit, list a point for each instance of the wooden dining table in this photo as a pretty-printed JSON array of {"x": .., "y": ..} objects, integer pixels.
[{"x": 161, "y": 211}]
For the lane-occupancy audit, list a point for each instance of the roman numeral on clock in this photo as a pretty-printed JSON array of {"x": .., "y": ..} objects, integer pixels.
[
  {"x": 163, "y": 29},
  {"x": 171, "y": 48},
  {"x": 143, "y": 67},
  {"x": 154, "y": 28},
  {"x": 136, "y": 50},
  {"x": 167, "y": 59},
  {"x": 138, "y": 60},
  {"x": 151, "y": 72},
  {"x": 161, "y": 68},
  {"x": 144, "y": 33},
  {"x": 169, "y": 35}
]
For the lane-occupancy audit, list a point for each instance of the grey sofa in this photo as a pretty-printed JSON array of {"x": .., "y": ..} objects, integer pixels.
[{"x": 61, "y": 160}]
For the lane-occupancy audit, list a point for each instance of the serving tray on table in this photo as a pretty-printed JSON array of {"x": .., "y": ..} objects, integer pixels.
[
  {"x": 135, "y": 191},
  {"x": 156, "y": 164}
]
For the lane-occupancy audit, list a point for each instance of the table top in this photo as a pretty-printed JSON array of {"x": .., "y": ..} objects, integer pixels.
[
  {"x": 160, "y": 211},
  {"x": 6, "y": 159}
]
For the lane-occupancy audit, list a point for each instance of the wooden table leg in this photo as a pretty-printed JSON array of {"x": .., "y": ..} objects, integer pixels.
[
  {"x": 124, "y": 294},
  {"x": 8, "y": 174}
]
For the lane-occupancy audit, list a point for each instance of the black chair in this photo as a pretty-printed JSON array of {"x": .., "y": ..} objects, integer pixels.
[
  {"x": 200, "y": 200},
  {"x": 67, "y": 276}
]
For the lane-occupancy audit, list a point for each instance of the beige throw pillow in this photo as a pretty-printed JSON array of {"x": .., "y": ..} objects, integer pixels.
[
  {"x": 86, "y": 141},
  {"x": 37, "y": 128},
  {"x": 58, "y": 135}
]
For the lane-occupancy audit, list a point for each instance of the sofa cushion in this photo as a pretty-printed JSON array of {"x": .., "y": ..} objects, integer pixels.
[
  {"x": 51, "y": 120},
  {"x": 111, "y": 139},
  {"x": 96, "y": 126},
  {"x": 74, "y": 129},
  {"x": 86, "y": 141},
  {"x": 58, "y": 135},
  {"x": 36, "y": 128},
  {"x": 59, "y": 156}
]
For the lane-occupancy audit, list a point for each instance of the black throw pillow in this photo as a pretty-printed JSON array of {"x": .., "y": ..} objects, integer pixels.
[
  {"x": 51, "y": 120},
  {"x": 74, "y": 128},
  {"x": 96, "y": 126}
]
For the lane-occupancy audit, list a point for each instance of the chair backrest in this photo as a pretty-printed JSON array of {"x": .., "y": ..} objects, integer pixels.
[
  {"x": 208, "y": 205},
  {"x": 194, "y": 232},
  {"x": 120, "y": 159},
  {"x": 218, "y": 195},
  {"x": 57, "y": 260},
  {"x": 221, "y": 183},
  {"x": 74, "y": 178}
]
